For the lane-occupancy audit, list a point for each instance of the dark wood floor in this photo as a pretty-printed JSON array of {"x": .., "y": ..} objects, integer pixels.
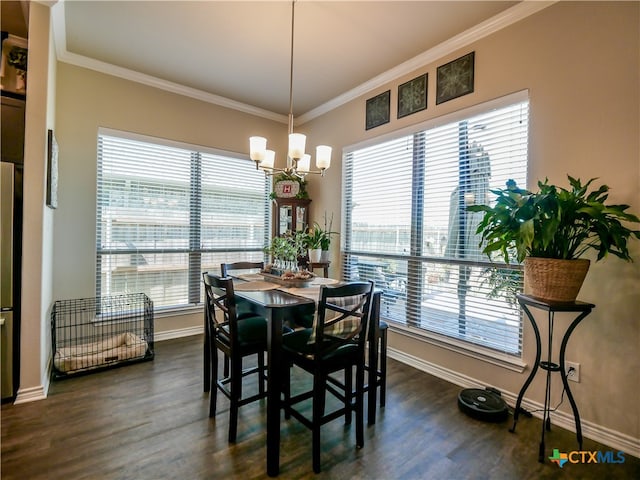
[{"x": 149, "y": 421}]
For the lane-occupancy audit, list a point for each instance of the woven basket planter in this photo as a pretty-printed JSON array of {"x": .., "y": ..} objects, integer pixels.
[{"x": 554, "y": 280}]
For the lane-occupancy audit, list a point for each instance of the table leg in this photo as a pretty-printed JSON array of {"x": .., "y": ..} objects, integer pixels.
[
  {"x": 563, "y": 375},
  {"x": 274, "y": 380},
  {"x": 582, "y": 309},
  {"x": 546, "y": 420},
  {"x": 549, "y": 367},
  {"x": 516, "y": 412}
]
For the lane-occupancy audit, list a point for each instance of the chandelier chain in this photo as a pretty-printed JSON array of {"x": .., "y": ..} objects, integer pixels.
[
  {"x": 298, "y": 162},
  {"x": 291, "y": 68}
]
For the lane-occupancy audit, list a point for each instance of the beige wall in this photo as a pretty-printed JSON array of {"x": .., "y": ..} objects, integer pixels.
[
  {"x": 37, "y": 248},
  {"x": 580, "y": 63}
]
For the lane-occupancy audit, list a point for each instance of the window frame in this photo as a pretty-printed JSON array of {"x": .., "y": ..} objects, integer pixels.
[
  {"x": 415, "y": 258},
  {"x": 195, "y": 248}
]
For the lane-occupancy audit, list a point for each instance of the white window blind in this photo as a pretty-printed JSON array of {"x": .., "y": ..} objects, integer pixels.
[
  {"x": 165, "y": 214},
  {"x": 406, "y": 224}
]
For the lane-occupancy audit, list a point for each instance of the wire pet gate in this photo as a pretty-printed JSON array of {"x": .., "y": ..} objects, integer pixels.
[{"x": 92, "y": 334}]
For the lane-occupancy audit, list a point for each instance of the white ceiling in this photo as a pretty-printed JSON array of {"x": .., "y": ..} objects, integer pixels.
[{"x": 238, "y": 52}]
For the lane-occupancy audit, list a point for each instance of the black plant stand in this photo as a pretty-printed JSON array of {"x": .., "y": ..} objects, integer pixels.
[{"x": 582, "y": 309}]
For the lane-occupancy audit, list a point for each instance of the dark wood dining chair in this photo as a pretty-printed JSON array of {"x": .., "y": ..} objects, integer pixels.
[
  {"x": 242, "y": 309},
  {"x": 336, "y": 343},
  {"x": 239, "y": 268},
  {"x": 236, "y": 339}
]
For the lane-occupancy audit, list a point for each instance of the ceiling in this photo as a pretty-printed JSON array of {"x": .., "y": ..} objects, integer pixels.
[{"x": 237, "y": 53}]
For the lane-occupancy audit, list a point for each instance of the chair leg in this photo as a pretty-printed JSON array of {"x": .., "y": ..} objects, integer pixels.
[
  {"x": 348, "y": 394},
  {"x": 261, "y": 375},
  {"x": 236, "y": 394},
  {"x": 286, "y": 390},
  {"x": 319, "y": 385},
  {"x": 383, "y": 367},
  {"x": 207, "y": 357},
  {"x": 225, "y": 371},
  {"x": 213, "y": 381},
  {"x": 359, "y": 406}
]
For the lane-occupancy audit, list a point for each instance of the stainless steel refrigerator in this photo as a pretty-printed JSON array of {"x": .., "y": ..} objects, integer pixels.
[{"x": 7, "y": 210}]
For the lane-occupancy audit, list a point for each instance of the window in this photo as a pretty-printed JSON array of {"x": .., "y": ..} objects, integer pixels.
[
  {"x": 406, "y": 226},
  {"x": 166, "y": 213}
]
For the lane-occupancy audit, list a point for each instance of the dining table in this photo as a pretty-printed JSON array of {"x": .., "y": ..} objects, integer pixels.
[{"x": 278, "y": 303}]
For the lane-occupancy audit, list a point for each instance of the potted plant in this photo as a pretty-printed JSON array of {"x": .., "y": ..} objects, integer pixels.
[
  {"x": 325, "y": 241},
  {"x": 286, "y": 250},
  {"x": 551, "y": 229},
  {"x": 313, "y": 241}
]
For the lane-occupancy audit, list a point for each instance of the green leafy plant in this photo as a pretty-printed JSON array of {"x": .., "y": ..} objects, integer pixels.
[
  {"x": 554, "y": 222},
  {"x": 287, "y": 247},
  {"x": 314, "y": 237},
  {"x": 317, "y": 237},
  {"x": 503, "y": 284},
  {"x": 325, "y": 241}
]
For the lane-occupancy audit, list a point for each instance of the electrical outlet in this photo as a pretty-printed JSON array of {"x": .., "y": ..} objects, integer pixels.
[{"x": 572, "y": 370}]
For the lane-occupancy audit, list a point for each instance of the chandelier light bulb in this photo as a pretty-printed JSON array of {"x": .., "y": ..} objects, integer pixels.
[
  {"x": 269, "y": 159},
  {"x": 257, "y": 148},
  {"x": 304, "y": 164},
  {"x": 296, "y": 145},
  {"x": 323, "y": 157}
]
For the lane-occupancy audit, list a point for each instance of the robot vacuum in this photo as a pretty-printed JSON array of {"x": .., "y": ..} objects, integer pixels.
[{"x": 486, "y": 404}]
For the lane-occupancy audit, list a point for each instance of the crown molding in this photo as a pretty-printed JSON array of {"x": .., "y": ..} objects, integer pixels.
[{"x": 492, "y": 25}]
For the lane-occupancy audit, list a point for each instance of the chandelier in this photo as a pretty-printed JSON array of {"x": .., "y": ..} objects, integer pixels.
[{"x": 298, "y": 162}]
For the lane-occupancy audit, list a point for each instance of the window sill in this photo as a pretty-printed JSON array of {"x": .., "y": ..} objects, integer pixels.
[
  {"x": 162, "y": 312},
  {"x": 483, "y": 354}
]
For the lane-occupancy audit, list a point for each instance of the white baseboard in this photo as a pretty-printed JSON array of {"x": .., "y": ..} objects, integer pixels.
[
  {"x": 598, "y": 433},
  {"x": 32, "y": 394},
  {"x": 26, "y": 395}
]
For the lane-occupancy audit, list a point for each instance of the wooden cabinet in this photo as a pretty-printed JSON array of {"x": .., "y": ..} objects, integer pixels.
[{"x": 290, "y": 214}]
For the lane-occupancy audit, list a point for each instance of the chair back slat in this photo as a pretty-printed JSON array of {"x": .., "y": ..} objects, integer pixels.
[
  {"x": 343, "y": 317},
  {"x": 225, "y": 268},
  {"x": 220, "y": 296}
]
